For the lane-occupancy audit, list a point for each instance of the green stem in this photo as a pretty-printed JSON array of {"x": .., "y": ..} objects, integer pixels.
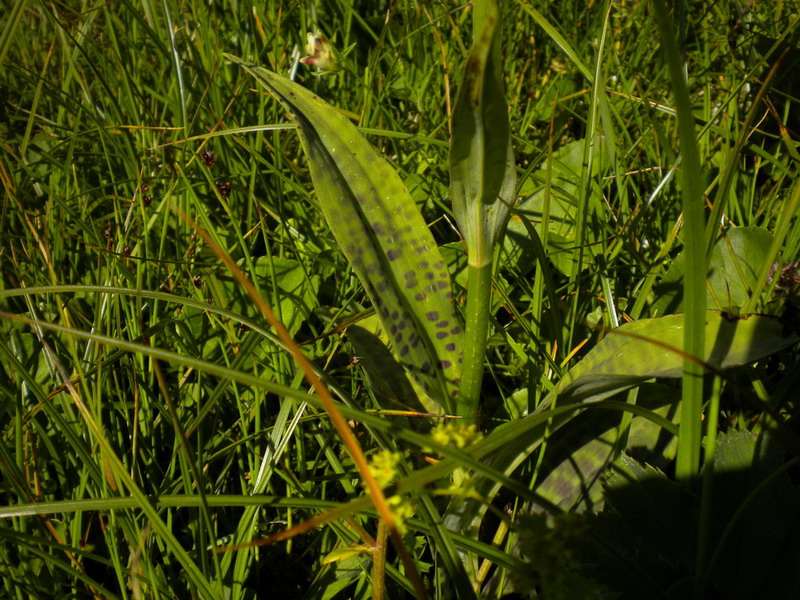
[
  {"x": 379, "y": 561},
  {"x": 694, "y": 289},
  {"x": 479, "y": 288}
]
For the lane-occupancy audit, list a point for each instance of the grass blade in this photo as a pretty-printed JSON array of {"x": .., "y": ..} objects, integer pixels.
[{"x": 688, "y": 461}]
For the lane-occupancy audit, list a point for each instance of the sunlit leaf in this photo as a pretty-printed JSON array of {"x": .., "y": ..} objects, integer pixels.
[
  {"x": 382, "y": 234},
  {"x": 735, "y": 263},
  {"x": 341, "y": 554},
  {"x": 481, "y": 161},
  {"x": 624, "y": 358}
]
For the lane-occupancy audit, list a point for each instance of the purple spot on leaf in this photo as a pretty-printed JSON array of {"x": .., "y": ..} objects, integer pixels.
[{"x": 377, "y": 227}]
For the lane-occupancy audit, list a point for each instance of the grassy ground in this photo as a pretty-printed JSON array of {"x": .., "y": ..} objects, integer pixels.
[{"x": 149, "y": 412}]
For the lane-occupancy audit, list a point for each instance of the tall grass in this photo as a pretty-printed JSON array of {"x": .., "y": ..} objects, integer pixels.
[{"x": 156, "y": 432}]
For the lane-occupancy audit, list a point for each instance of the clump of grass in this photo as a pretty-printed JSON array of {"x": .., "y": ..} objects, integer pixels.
[{"x": 152, "y": 418}]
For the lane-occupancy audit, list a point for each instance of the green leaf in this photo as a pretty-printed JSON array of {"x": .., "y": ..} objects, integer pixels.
[
  {"x": 578, "y": 454},
  {"x": 340, "y": 554},
  {"x": 566, "y": 166},
  {"x": 628, "y": 356},
  {"x": 736, "y": 262},
  {"x": 482, "y": 186},
  {"x": 481, "y": 160},
  {"x": 382, "y": 234},
  {"x": 385, "y": 376},
  {"x": 651, "y": 524}
]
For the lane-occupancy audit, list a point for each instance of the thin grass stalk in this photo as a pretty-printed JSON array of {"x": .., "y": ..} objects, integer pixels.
[
  {"x": 690, "y": 436},
  {"x": 118, "y": 471},
  {"x": 190, "y": 459},
  {"x": 13, "y": 19}
]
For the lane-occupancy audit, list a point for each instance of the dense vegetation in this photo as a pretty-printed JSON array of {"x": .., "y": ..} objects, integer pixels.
[{"x": 159, "y": 437}]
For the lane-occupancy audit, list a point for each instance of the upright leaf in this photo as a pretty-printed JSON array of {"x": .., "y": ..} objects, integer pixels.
[
  {"x": 482, "y": 182},
  {"x": 481, "y": 161},
  {"x": 382, "y": 234}
]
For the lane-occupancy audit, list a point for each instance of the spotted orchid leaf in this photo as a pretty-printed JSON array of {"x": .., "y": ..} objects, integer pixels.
[
  {"x": 481, "y": 160},
  {"x": 382, "y": 234}
]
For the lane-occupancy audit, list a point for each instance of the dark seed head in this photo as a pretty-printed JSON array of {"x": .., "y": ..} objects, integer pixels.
[
  {"x": 224, "y": 188},
  {"x": 208, "y": 157}
]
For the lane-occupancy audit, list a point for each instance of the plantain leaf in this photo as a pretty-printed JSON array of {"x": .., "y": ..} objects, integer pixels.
[
  {"x": 734, "y": 265},
  {"x": 626, "y": 357},
  {"x": 482, "y": 175},
  {"x": 382, "y": 234},
  {"x": 630, "y": 355},
  {"x": 650, "y": 348}
]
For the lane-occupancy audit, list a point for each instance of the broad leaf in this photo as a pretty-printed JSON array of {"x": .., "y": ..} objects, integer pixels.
[
  {"x": 627, "y": 356},
  {"x": 650, "y": 348},
  {"x": 565, "y": 166},
  {"x": 578, "y": 454},
  {"x": 630, "y": 355},
  {"x": 752, "y": 526},
  {"x": 736, "y": 261},
  {"x": 382, "y": 234}
]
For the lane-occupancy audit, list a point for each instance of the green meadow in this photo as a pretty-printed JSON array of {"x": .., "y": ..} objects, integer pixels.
[{"x": 399, "y": 299}]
